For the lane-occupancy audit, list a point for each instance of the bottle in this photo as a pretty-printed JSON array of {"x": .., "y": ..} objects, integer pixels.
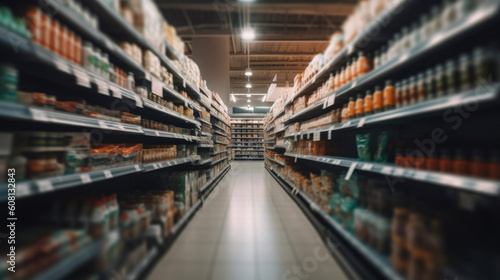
[
  {"x": 8, "y": 82},
  {"x": 88, "y": 56},
  {"x": 424, "y": 23},
  {"x": 354, "y": 69},
  {"x": 378, "y": 100},
  {"x": 435, "y": 24},
  {"x": 336, "y": 80},
  {"x": 404, "y": 93},
  {"x": 105, "y": 69},
  {"x": 331, "y": 83},
  {"x": 376, "y": 60},
  {"x": 383, "y": 56},
  {"x": 345, "y": 113},
  {"x": 430, "y": 84},
  {"x": 397, "y": 95},
  {"x": 55, "y": 32},
  {"x": 363, "y": 64},
  {"x": 405, "y": 39},
  {"x": 461, "y": 165},
  {"x": 412, "y": 90},
  {"x": 98, "y": 62},
  {"x": 449, "y": 14},
  {"x": 421, "y": 87},
  {"x": 414, "y": 35},
  {"x": 389, "y": 96},
  {"x": 432, "y": 162},
  {"x": 483, "y": 65},
  {"x": 342, "y": 78},
  {"x": 465, "y": 72},
  {"x": 360, "y": 106},
  {"x": 478, "y": 167},
  {"x": 445, "y": 161},
  {"x": 111, "y": 73},
  {"x": 78, "y": 50},
  {"x": 451, "y": 77},
  {"x": 440, "y": 80},
  {"x": 131, "y": 81},
  {"x": 368, "y": 103},
  {"x": 97, "y": 220},
  {"x": 352, "y": 108},
  {"x": 399, "y": 159},
  {"x": 348, "y": 73}
]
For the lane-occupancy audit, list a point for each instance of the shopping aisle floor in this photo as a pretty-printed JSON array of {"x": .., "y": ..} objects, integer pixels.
[{"x": 248, "y": 228}]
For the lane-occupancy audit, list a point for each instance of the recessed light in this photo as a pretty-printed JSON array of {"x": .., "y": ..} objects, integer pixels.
[
  {"x": 248, "y": 34},
  {"x": 248, "y": 85}
]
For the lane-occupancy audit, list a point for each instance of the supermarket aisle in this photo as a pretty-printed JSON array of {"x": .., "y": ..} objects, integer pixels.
[{"x": 249, "y": 228}]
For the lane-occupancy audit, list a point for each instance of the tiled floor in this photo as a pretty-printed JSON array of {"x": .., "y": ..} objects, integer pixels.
[{"x": 249, "y": 228}]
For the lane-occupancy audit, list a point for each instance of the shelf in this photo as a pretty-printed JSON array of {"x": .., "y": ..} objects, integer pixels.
[
  {"x": 181, "y": 98},
  {"x": 67, "y": 265},
  {"x": 281, "y": 129},
  {"x": 275, "y": 161},
  {"x": 185, "y": 218},
  {"x": 377, "y": 260},
  {"x": 118, "y": 24},
  {"x": 205, "y": 146},
  {"x": 215, "y": 162},
  {"x": 169, "y": 163},
  {"x": 205, "y": 134},
  {"x": 250, "y": 147},
  {"x": 207, "y": 106},
  {"x": 254, "y": 128},
  {"x": 439, "y": 41},
  {"x": 247, "y": 137},
  {"x": 247, "y": 157},
  {"x": 249, "y": 142},
  {"x": 143, "y": 265},
  {"x": 171, "y": 135},
  {"x": 220, "y": 133},
  {"x": 204, "y": 162},
  {"x": 212, "y": 116},
  {"x": 171, "y": 113},
  {"x": 471, "y": 184},
  {"x": 220, "y": 142},
  {"x": 219, "y": 152},
  {"x": 484, "y": 95},
  {"x": 276, "y": 148},
  {"x": 253, "y": 150},
  {"x": 207, "y": 185},
  {"x": 204, "y": 121}
]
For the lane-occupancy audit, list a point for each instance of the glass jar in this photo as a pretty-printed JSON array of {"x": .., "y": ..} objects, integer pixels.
[
  {"x": 360, "y": 106},
  {"x": 414, "y": 35},
  {"x": 421, "y": 87},
  {"x": 466, "y": 76},
  {"x": 352, "y": 108},
  {"x": 378, "y": 100},
  {"x": 430, "y": 84},
  {"x": 451, "y": 77},
  {"x": 404, "y": 93},
  {"x": 412, "y": 90},
  {"x": 368, "y": 103},
  {"x": 389, "y": 92},
  {"x": 440, "y": 80}
]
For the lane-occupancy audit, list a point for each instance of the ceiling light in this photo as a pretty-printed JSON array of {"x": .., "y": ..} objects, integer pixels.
[
  {"x": 248, "y": 85},
  {"x": 249, "y": 101},
  {"x": 249, "y": 95},
  {"x": 248, "y": 34},
  {"x": 248, "y": 72}
]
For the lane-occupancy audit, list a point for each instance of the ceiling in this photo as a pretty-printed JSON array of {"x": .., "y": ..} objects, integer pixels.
[{"x": 288, "y": 34}]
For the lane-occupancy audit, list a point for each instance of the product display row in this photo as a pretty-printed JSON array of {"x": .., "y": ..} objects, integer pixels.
[{"x": 387, "y": 137}]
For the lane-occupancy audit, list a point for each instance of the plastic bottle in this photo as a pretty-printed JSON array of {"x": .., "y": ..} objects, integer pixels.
[
  {"x": 351, "y": 108},
  {"x": 389, "y": 92},
  {"x": 345, "y": 113},
  {"x": 430, "y": 84},
  {"x": 465, "y": 72},
  {"x": 131, "y": 81},
  {"x": 360, "y": 106},
  {"x": 478, "y": 167},
  {"x": 363, "y": 64},
  {"x": 105, "y": 70},
  {"x": 397, "y": 95},
  {"x": 440, "y": 80},
  {"x": 378, "y": 100},
  {"x": 445, "y": 161},
  {"x": 88, "y": 56},
  {"x": 412, "y": 90},
  {"x": 421, "y": 87},
  {"x": 461, "y": 164}
]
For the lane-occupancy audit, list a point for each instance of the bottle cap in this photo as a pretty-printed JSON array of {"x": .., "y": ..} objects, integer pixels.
[{"x": 388, "y": 83}]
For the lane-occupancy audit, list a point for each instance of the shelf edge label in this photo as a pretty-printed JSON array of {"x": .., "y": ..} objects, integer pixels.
[
  {"x": 82, "y": 79},
  {"x": 350, "y": 171}
]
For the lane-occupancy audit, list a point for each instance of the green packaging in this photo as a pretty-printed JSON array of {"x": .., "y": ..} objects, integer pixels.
[
  {"x": 363, "y": 145},
  {"x": 381, "y": 154}
]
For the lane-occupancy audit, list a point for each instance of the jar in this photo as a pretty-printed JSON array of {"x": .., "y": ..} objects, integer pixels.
[
  {"x": 360, "y": 106},
  {"x": 78, "y": 50},
  {"x": 54, "y": 37},
  {"x": 421, "y": 86},
  {"x": 424, "y": 27},
  {"x": 336, "y": 80},
  {"x": 378, "y": 100},
  {"x": 399, "y": 159},
  {"x": 88, "y": 56},
  {"x": 354, "y": 69},
  {"x": 399, "y": 253},
  {"x": 368, "y": 103},
  {"x": 342, "y": 77},
  {"x": 412, "y": 90},
  {"x": 351, "y": 108},
  {"x": 397, "y": 95},
  {"x": 478, "y": 166},
  {"x": 18, "y": 163},
  {"x": 8, "y": 82},
  {"x": 404, "y": 93},
  {"x": 430, "y": 84},
  {"x": 466, "y": 76},
  {"x": 363, "y": 64},
  {"x": 131, "y": 81},
  {"x": 46, "y": 30},
  {"x": 449, "y": 15},
  {"x": 445, "y": 161},
  {"x": 389, "y": 92},
  {"x": 451, "y": 77},
  {"x": 440, "y": 80}
]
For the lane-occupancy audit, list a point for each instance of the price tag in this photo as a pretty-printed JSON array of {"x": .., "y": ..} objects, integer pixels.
[
  {"x": 419, "y": 175},
  {"x": 295, "y": 158},
  {"x": 350, "y": 171},
  {"x": 174, "y": 162},
  {"x": 160, "y": 165},
  {"x": 169, "y": 163},
  {"x": 45, "y": 186},
  {"x": 148, "y": 76},
  {"x": 137, "y": 167},
  {"x": 184, "y": 82},
  {"x": 301, "y": 136},
  {"x": 155, "y": 166},
  {"x": 353, "y": 85},
  {"x": 367, "y": 166},
  {"x": 138, "y": 101},
  {"x": 22, "y": 190},
  {"x": 157, "y": 133},
  {"x": 116, "y": 92},
  {"x": 316, "y": 135},
  {"x": 330, "y": 133},
  {"x": 156, "y": 87},
  {"x": 120, "y": 126},
  {"x": 399, "y": 171},
  {"x": 102, "y": 87},
  {"x": 386, "y": 170},
  {"x": 350, "y": 49},
  {"x": 295, "y": 137},
  {"x": 346, "y": 124},
  {"x": 85, "y": 178},
  {"x": 102, "y": 124},
  {"x": 39, "y": 115},
  {"x": 108, "y": 174},
  {"x": 63, "y": 66},
  {"x": 336, "y": 162},
  {"x": 82, "y": 79},
  {"x": 361, "y": 122},
  {"x": 331, "y": 100},
  {"x": 325, "y": 103}
]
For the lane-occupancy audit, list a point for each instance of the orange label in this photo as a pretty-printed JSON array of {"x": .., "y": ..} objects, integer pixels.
[
  {"x": 378, "y": 100},
  {"x": 368, "y": 104},
  {"x": 389, "y": 96},
  {"x": 359, "y": 107}
]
